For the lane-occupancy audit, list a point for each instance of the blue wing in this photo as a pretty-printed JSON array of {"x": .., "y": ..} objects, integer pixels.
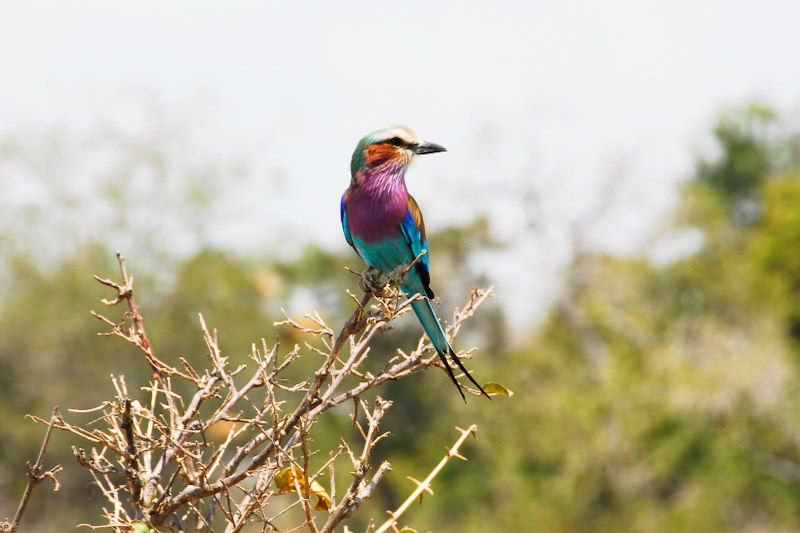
[
  {"x": 414, "y": 231},
  {"x": 347, "y": 236}
]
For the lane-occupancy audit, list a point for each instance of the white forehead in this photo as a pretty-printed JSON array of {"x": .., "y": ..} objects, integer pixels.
[{"x": 395, "y": 131}]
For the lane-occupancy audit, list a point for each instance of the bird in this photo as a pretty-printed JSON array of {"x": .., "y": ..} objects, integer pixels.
[{"x": 383, "y": 224}]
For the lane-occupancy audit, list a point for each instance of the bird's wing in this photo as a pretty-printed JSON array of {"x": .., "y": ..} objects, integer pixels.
[
  {"x": 347, "y": 236},
  {"x": 414, "y": 232}
]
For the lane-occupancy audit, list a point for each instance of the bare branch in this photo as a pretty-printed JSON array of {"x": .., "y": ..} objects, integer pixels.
[
  {"x": 425, "y": 485},
  {"x": 36, "y": 475},
  {"x": 209, "y": 444}
]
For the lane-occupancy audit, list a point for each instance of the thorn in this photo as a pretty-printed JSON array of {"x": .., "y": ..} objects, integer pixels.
[
  {"x": 424, "y": 486},
  {"x": 455, "y": 454}
]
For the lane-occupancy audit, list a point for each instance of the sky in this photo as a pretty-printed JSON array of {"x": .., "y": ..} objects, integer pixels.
[{"x": 544, "y": 107}]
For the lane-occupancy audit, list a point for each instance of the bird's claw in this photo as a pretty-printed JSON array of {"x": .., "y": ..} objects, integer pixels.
[
  {"x": 370, "y": 281},
  {"x": 396, "y": 276}
]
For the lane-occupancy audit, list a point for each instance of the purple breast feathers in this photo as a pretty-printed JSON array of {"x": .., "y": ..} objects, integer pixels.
[{"x": 376, "y": 209}]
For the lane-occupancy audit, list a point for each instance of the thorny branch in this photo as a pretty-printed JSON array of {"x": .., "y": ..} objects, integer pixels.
[
  {"x": 156, "y": 463},
  {"x": 425, "y": 484},
  {"x": 360, "y": 490}
]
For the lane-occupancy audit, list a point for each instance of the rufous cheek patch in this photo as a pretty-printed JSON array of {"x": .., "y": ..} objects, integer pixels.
[{"x": 378, "y": 154}]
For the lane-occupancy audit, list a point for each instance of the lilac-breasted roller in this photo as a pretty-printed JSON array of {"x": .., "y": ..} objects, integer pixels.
[{"x": 384, "y": 225}]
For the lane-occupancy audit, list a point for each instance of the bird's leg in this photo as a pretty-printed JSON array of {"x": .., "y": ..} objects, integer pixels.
[
  {"x": 370, "y": 281},
  {"x": 396, "y": 276}
]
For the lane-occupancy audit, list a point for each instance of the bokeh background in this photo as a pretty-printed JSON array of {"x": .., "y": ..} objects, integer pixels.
[{"x": 625, "y": 173}]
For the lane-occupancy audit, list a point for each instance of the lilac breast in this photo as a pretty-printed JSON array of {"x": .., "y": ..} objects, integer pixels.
[{"x": 376, "y": 207}]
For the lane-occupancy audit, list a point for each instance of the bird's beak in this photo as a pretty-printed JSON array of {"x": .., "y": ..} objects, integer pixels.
[{"x": 428, "y": 148}]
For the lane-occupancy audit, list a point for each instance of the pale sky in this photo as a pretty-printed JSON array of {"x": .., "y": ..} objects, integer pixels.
[{"x": 550, "y": 97}]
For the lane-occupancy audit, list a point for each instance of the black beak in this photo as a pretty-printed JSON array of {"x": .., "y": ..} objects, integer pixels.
[{"x": 428, "y": 148}]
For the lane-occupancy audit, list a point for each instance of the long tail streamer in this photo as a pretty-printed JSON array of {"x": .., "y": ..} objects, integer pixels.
[{"x": 423, "y": 308}]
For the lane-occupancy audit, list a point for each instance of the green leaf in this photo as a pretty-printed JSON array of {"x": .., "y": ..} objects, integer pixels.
[
  {"x": 407, "y": 529},
  {"x": 493, "y": 388},
  {"x": 141, "y": 527}
]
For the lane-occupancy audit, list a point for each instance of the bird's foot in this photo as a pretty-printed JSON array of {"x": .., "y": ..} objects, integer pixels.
[
  {"x": 396, "y": 276},
  {"x": 370, "y": 281}
]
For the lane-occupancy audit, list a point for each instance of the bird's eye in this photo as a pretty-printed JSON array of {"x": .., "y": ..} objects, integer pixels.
[{"x": 396, "y": 141}]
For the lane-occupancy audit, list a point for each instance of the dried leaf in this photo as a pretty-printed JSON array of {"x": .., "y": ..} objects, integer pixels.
[
  {"x": 493, "y": 388},
  {"x": 219, "y": 432},
  {"x": 285, "y": 482}
]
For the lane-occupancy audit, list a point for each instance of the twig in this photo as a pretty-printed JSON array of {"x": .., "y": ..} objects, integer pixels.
[
  {"x": 359, "y": 490},
  {"x": 425, "y": 484},
  {"x": 35, "y": 474}
]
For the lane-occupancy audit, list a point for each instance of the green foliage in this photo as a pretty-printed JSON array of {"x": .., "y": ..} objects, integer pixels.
[
  {"x": 663, "y": 398},
  {"x": 651, "y": 398},
  {"x": 775, "y": 246},
  {"x": 745, "y": 152},
  {"x": 225, "y": 291}
]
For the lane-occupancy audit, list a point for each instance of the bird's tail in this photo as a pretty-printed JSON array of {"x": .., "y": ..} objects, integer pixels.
[{"x": 433, "y": 328}]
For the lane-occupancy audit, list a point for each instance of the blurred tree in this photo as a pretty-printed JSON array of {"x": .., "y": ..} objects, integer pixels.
[
  {"x": 651, "y": 398},
  {"x": 746, "y": 157},
  {"x": 661, "y": 398}
]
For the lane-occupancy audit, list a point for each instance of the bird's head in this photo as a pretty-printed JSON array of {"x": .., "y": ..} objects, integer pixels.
[{"x": 393, "y": 147}]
